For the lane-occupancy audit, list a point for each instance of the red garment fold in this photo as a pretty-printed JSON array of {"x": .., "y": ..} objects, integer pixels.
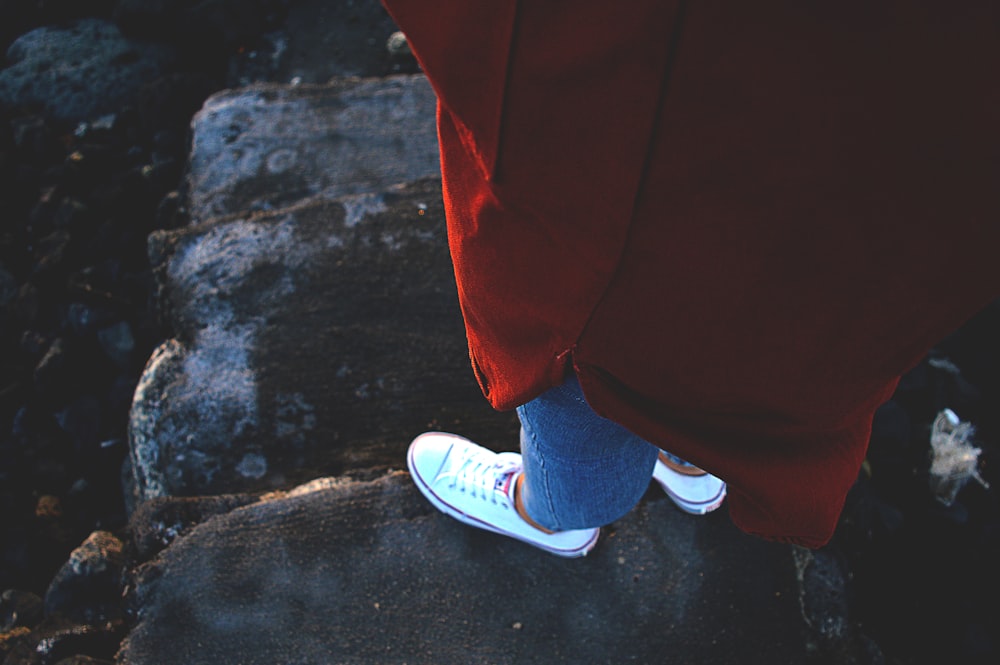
[{"x": 739, "y": 223}]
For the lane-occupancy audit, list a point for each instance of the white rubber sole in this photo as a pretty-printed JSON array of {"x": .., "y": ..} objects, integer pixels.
[
  {"x": 666, "y": 478},
  {"x": 543, "y": 541}
]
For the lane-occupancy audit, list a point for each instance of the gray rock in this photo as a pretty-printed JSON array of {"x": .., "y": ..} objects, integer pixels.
[
  {"x": 268, "y": 146},
  {"x": 303, "y": 327},
  {"x": 88, "y": 586},
  {"x": 56, "y": 252},
  {"x": 34, "y": 344},
  {"x": 78, "y": 72},
  {"x": 398, "y": 45},
  {"x": 53, "y": 368},
  {"x": 368, "y": 572},
  {"x": 310, "y": 340}
]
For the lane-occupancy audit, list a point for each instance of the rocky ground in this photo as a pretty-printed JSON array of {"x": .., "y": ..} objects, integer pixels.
[{"x": 85, "y": 178}]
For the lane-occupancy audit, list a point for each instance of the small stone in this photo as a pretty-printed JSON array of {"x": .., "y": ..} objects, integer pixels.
[
  {"x": 253, "y": 465},
  {"x": 34, "y": 344},
  {"x": 51, "y": 369},
  {"x": 79, "y": 644},
  {"x": 48, "y": 507},
  {"x": 9, "y": 641},
  {"x": 397, "y": 45},
  {"x": 53, "y": 252},
  {"x": 88, "y": 586}
]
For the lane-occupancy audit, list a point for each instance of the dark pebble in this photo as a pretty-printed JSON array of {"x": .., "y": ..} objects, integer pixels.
[
  {"x": 53, "y": 369},
  {"x": 34, "y": 344},
  {"x": 53, "y": 255},
  {"x": 88, "y": 587}
]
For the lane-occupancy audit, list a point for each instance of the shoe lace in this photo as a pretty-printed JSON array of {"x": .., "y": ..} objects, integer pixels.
[{"x": 487, "y": 476}]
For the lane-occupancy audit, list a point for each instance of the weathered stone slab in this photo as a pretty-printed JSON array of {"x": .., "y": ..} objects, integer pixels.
[
  {"x": 308, "y": 341},
  {"x": 270, "y": 146},
  {"x": 79, "y": 71},
  {"x": 368, "y": 572}
]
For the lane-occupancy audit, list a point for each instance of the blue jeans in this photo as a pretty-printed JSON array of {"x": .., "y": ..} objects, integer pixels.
[{"x": 580, "y": 470}]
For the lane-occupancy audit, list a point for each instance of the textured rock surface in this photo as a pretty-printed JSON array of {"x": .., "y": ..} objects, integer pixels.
[
  {"x": 310, "y": 340},
  {"x": 366, "y": 572},
  {"x": 268, "y": 146},
  {"x": 88, "y": 587},
  {"x": 78, "y": 72}
]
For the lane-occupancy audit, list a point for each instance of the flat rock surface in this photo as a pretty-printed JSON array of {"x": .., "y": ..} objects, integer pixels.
[
  {"x": 368, "y": 572},
  {"x": 308, "y": 341},
  {"x": 269, "y": 146},
  {"x": 317, "y": 331}
]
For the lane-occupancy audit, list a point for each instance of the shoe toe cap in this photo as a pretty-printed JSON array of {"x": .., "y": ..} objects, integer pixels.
[{"x": 429, "y": 453}]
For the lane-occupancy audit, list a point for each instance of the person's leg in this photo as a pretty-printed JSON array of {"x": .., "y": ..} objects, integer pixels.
[
  {"x": 577, "y": 472},
  {"x": 580, "y": 470}
]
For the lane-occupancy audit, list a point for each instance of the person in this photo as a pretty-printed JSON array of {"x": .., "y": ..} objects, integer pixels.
[
  {"x": 720, "y": 229},
  {"x": 576, "y": 472}
]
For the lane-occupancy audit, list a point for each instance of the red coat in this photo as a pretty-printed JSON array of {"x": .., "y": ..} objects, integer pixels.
[{"x": 739, "y": 222}]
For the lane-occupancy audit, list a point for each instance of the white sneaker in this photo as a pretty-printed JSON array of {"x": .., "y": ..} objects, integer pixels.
[
  {"x": 693, "y": 490},
  {"x": 476, "y": 486}
]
